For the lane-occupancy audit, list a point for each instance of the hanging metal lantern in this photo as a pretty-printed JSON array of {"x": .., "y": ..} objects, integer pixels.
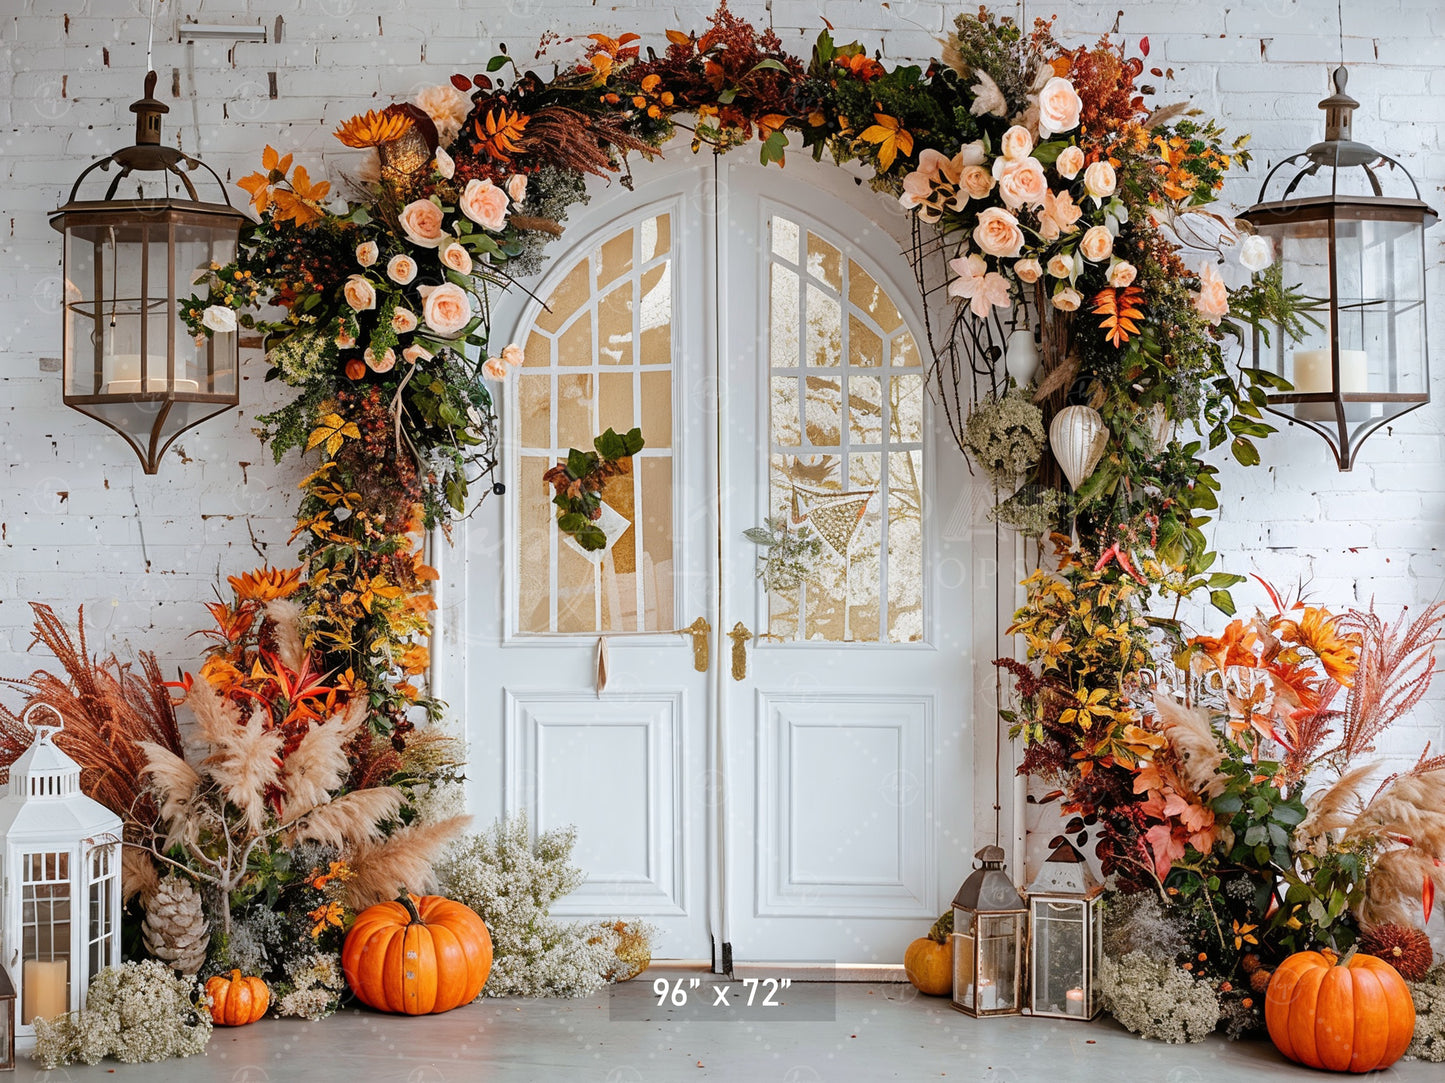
[
  {"x": 130, "y": 361},
  {"x": 1340, "y": 238}
]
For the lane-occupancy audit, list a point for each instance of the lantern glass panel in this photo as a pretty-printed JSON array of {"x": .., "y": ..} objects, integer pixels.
[
  {"x": 998, "y": 947},
  {"x": 1057, "y": 965},
  {"x": 102, "y": 945},
  {"x": 1092, "y": 1000},
  {"x": 964, "y": 974},
  {"x": 45, "y": 904},
  {"x": 211, "y": 366}
]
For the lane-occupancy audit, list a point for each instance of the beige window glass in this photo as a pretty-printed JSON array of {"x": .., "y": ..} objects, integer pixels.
[
  {"x": 600, "y": 356},
  {"x": 846, "y": 444}
]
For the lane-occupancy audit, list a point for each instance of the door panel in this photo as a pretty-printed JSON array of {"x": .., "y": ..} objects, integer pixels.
[{"x": 846, "y": 738}]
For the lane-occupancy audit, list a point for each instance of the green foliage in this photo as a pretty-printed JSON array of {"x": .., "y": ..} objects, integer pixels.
[
  {"x": 789, "y": 555},
  {"x": 579, "y": 480}
]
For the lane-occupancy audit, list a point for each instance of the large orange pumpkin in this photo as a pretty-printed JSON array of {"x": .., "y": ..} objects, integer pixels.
[
  {"x": 417, "y": 955},
  {"x": 928, "y": 962},
  {"x": 236, "y": 1001},
  {"x": 1345, "y": 1015}
]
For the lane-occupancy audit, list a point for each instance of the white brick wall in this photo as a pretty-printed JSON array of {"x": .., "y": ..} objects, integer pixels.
[{"x": 80, "y": 523}]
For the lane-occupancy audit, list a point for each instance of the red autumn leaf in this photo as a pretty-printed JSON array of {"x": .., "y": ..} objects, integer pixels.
[
  {"x": 1144, "y": 45},
  {"x": 1427, "y": 897},
  {"x": 462, "y": 83}
]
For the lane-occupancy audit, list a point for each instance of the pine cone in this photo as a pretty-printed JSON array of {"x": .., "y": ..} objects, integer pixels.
[
  {"x": 175, "y": 929},
  {"x": 1406, "y": 949}
]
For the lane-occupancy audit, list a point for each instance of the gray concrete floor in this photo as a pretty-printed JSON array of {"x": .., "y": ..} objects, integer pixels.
[{"x": 877, "y": 1032}]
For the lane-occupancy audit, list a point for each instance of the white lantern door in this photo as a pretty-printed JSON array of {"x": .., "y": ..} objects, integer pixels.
[{"x": 845, "y": 723}]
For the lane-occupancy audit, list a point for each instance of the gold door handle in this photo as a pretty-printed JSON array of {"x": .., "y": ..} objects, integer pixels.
[
  {"x": 699, "y": 629},
  {"x": 740, "y": 637}
]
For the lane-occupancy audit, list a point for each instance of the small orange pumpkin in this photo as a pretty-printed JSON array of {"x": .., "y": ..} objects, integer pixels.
[
  {"x": 236, "y": 1001},
  {"x": 928, "y": 962},
  {"x": 417, "y": 956},
  {"x": 1344, "y": 1015}
]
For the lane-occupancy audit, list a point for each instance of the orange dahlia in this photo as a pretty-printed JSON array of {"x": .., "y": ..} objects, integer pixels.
[{"x": 372, "y": 128}]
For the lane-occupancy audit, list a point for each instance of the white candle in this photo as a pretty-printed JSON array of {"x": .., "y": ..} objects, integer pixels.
[
  {"x": 44, "y": 984},
  {"x": 1312, "y": 374},
  {"x": 1074, "y": 1001},
  {"x": 124, "y": 375},
  {"x": 987, "y": 995}
]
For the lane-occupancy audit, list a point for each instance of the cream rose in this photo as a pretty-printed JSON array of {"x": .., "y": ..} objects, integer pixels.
[
  {"x": 1028, "y": 270},
  {"x": 1255, "y": 253},
  {"x": 1016, "y": 143},
  {"x": 512, "y": 354},
  {"x": 517, "y": 187},
  {"x": 219, "y": 319},
  {"x": 421, "y": 221},
  {"x": 384, "y": 363},
  {"x": 401, "y": 269},
  {"x": 1070, "y": 161},
  {"x": 446, "y": 167},
  {"x": 1068, "y": 299},
  {"x": 447, "y": 309},
  {"x": 403, "y": 321},
  {"x": 1099, "y": 180},
  {"x": 345, "y": 339},
  {"x": 1097, "y": 244},
  {"x": 454, "y": 256},
  {"x": 366, "y": 253},
  {"x": 359, "y": 293},
  {"x": 1212, "y": 300},
  {"x": 998, "y": 233},
  {"x": 485, "y": 204},
  {"x": 976, "y": 181},
  {"x": 448, "y": 108},
  {"x": 1059, "y": 107},
  {"x": 413, "y": 354},
  {"x": 1060, "y": 265},
  {"x": 1024, "y": 185},
  {"x": 1122, "y": 274},
  {"x": 494, "y": 368}
]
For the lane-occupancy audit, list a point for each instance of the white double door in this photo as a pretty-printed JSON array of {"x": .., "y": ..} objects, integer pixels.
[{"x": 804, "y": 791}]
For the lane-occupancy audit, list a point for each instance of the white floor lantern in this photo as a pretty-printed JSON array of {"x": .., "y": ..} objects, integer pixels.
[{"x": 61, "y": 916}]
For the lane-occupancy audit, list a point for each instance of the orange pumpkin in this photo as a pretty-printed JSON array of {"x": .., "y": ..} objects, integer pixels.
[
  {"x": 236, "y": 1001},
  {"x": 1344, "y": 1015},
  {"x": 928, "y": 962},
  {"x": 417, "y": 955}
]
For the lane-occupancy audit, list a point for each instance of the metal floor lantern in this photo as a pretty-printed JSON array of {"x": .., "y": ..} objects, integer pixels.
[
  {"x": 130, "y": 362},
  {"x": 60, "y": 921},
  {"x": 1340, "y": 239},
  {"x": 1065, "y": 937},
  {"x": 989, "y": 924}
]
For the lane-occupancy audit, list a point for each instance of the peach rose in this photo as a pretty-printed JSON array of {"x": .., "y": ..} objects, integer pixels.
[
  {"x": 517, "y": 187},
  {"x": 366, "y": 253},
  {"x": 401, "y": 269},
  {"x": 421, "y": 221},
  {"x": 1028, "y": 270},
  {"x": 494, "y": 368},
  {"x": 1099, "y": 181},
  {"x": 998, "y": 233},
  {"x": 1212, "y": 300},
  {"x": 447, "y": 309},
  {"x": 1059, "y": 215},
  {"x": 1070, "y": 161},
  {"x": 446, "y": 167},
  {"x": 512, "y": 354},
  {"x": 1016, "y": 143},
  {"x": 1122, "y": 274},
  {"x": 1068, "y": 299},
  {"x": 384, "y": 363},
  {"x": 453, "y": 255},
  {"x": 403, "y": 321},
  {"x": 447, "y": 107},
  {"x": 1060, "y": 265},
  {"x": 413, "y": 354},
  {"x": 1024, "y": 185},
  {"x": 1059, "y": 107},
  {"x": 359, "y": 293},
  {"x": 485, "y": 204},
  {"x": 1097, "y": 244},
  {"x": 976, "y": 181}
]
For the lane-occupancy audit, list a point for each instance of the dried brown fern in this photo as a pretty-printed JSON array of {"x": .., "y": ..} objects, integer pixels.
[
  {"x": 580, "y": 143},
  {"x": 1397, "y": 662},
  {"x": 109, "y": 711}
]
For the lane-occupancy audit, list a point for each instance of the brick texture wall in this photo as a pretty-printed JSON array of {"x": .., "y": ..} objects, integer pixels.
[{"x": 80, "y": 523}]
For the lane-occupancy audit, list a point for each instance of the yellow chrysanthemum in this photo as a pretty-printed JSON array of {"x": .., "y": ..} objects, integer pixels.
[{"x": 372, "y": 128}]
